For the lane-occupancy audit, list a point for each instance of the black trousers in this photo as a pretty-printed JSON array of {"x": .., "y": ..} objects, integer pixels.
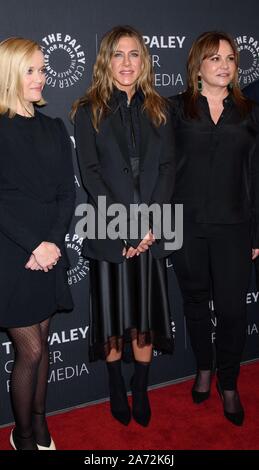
[{"x": 217, "y": 259}]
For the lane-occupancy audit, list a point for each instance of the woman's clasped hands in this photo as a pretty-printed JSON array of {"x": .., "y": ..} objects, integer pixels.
[
  {"x": 143, "y": 246},
  {"x": 44, "y": 257}
]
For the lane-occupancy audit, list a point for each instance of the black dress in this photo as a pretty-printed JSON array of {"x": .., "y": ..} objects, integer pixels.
[
  {"x": 129, "y": 300},
  {"x": 36, "y": 204}
]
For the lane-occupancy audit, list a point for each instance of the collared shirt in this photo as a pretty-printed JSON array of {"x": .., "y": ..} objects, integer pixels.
[
  {"x": 217, "y": 177},
  {"x": 129, "y": 112}
]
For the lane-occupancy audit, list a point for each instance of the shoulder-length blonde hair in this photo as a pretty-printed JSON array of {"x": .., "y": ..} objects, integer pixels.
[
  {"x": 15, "y": 54},
  {"x": 206, "y": 45},
  {"x": 100, "y": 91}
]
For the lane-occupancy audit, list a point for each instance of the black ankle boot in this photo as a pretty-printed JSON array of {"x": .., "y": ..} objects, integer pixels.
[
  {"x": 120, "y": 409},
  {"x": 200, "y": 396},
  {"x": 236, "y": 417},
  {"x": 141, "y": 411}
]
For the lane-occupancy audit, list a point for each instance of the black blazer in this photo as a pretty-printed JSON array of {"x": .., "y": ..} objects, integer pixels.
[{"x": 106, "y": 171}]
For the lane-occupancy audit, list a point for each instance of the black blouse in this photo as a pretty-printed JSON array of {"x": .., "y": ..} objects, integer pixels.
[
  {"x": 129, "y": 113},
  {"x": 217, "y": 177}
]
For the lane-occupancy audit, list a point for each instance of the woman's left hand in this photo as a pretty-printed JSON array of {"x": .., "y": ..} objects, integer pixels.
[
  {"x": 147, "y": 241},
  {"x": 255, "y": 252},
  {"x": 130, "y": 252}
]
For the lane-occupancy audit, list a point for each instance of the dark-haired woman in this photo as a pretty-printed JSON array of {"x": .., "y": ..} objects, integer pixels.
[{"x": 216, "y": 131}]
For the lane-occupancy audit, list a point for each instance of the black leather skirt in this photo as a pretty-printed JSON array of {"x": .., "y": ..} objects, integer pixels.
[{"x": 129, "y": 301}]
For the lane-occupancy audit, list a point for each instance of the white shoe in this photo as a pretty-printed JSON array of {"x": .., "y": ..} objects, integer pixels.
[
  {"x": 50, "y": 447},
  {"x": 12, "y": 441}
]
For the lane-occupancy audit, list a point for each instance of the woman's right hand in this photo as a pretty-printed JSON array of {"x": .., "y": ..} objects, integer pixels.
[
  {"x": 32, "y": 264},
  {"x": 144, "y": 245},
  {"x": 47, "y": 255}
]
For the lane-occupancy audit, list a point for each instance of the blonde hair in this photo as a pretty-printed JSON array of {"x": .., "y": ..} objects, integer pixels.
[
  {"x": 15, "y": 54},
  {"x": 101, "y": 88}
]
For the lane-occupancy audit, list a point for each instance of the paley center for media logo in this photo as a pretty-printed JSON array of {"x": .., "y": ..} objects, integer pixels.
[
  {"x": 157, "y": 46},
  {"x": 79, "y": 267},
  {"x": 248, "y": 48},
  {"x": 65, "y": 60}
]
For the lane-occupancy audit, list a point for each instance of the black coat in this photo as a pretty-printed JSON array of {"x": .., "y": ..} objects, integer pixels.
[
  {"x": 36, "y": 204},
  {"x": 106, "y": 171}
]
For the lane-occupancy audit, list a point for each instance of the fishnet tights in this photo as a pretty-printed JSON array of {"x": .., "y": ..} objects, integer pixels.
[{"x": 29, "y": 382}]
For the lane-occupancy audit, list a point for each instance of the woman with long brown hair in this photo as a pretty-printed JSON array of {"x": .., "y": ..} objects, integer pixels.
[
  {"x": 125, "y": 153},
  {"x": 216, "y": 130}
]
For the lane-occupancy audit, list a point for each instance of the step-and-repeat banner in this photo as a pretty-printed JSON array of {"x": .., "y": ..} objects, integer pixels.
[{"x": 69, "y": 33}]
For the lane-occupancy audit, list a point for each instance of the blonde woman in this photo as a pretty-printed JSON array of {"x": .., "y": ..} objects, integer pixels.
[
  {"x": 125, "y": 153},
  {"x": 36, "y": 204}
]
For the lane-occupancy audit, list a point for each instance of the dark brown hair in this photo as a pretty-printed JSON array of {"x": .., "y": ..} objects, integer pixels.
[{"x": 206, "y": 45}]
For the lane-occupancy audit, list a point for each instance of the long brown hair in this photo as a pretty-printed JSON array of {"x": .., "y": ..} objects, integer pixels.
[
  {"x": 101, "y": 88},
  {"x": 206, "y": 45}
]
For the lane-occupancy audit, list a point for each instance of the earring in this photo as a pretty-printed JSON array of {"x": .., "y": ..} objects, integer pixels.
[
  {"x": 199, "y": 84},
  {"x": 230, "y": 86}
]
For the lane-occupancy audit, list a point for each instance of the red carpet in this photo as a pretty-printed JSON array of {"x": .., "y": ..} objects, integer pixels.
[{"x": 176, "y": 422}]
